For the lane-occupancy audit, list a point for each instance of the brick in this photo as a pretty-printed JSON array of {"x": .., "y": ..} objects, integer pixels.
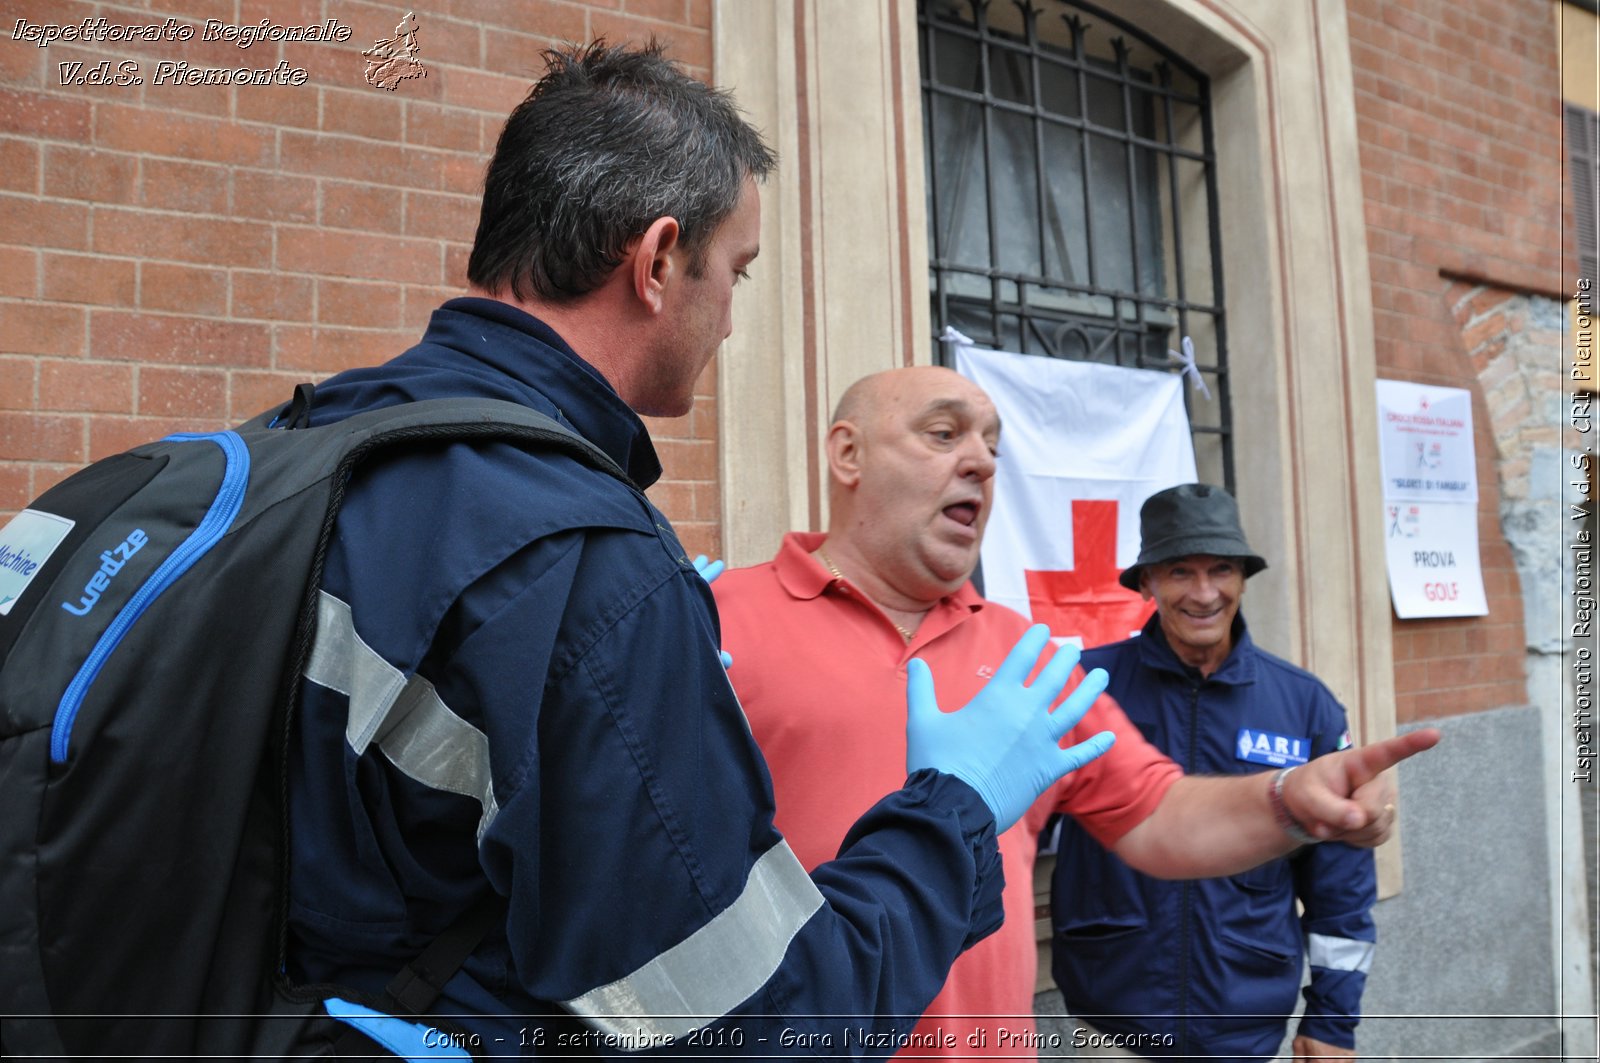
[
  {"x": 19, "y": 272},
  {"x": 376, "y": 116},
  {"x": 488, "y": 93},
  {"x": 19, "y": 165},
  {"x": 343, "y": 254},
  {"x": 521, "y": 55},
  {"x": 464, "y": 174},
  {"x": 552, "y": 19},
  {"x": 207, "y": 101},
  {"x": 689, "y": 46},
  {"x": 188, "y": 187},
  {"x": 76, "y": 386},
  {"x": 418, "y": 305},
  {"x": 684, "y": 460},
  {"x": 40, "y": 437},
  {"x": 699, "y": 537},
  {"x": 279, "y": 105},
  {"x": 456, "y": 257},
  {"x": 178, "y": 237},
  {"x": 190, "y": 137},
  {"x": 22, "y": 67},
  {"x": 183, "y": 393},
  {"x": 35, "y": 114},
  {"x": 44, "y": 223},
  {"x": 201, "y": 10},
  {"x": 673, "y": 498},
  {"x": 46, "y": 11},
  {"x": 113, "y": 435},
  {"x": 433, "y": 126},
  {"x": 249, "y": 393},
  {"x": 100, "y": 176},
  {"x": 90, "y": 279},
  {"x": 1410, "y": 676},
  {"x": 358, "y": 305},
  {"x": 299, "y": 13},
  {"x": 16, "y": 381},
  {"x": 321, "y": 351},
  {"x": 41, "y": 328},
  {"x": 272, "y": 296},
  {"x": 170, "y": 340},
  {"x": 16, "y": 485},
  {"x": 675, "y": 11},
  {"x": 329, "y": 155},
  {"x": 274, "y": 197},
  {"x": 370, "y": 208},
  {"x": 183, "y": 289},
  {"x": 422, "y": 168},
  {"x": 442, "y": 217}
]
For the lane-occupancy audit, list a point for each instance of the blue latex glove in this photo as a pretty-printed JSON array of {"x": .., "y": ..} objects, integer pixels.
[{"x": 1006, "y": 743}]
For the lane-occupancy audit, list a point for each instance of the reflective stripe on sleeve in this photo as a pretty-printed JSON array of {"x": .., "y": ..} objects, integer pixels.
[
  {"x": 710, "y": 972},
  {"x": 1340, "y": 954},
  {"x": 404, "y": 717}
]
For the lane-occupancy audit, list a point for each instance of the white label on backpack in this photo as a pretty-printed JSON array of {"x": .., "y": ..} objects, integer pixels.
[{"x": 26, "y": 543}]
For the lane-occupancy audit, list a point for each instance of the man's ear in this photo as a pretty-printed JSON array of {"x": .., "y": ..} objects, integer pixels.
[
  {"x": 1144, "y": 586},
  {"x": 844, "y": 447},
  {"x": 650, "y": 262}
]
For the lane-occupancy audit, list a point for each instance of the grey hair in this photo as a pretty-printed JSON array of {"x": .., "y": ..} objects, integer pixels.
[{"x": 609, "y": 140}]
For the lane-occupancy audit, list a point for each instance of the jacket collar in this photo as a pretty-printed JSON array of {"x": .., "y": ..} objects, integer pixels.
[
  {"x": 536, "y": 357},
  {"x": 484, "y": 348},
  {"x": 1238, "y": 670}
]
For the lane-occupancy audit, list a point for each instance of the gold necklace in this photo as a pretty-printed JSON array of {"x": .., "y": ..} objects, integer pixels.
[{"x": 826, "y": 560}]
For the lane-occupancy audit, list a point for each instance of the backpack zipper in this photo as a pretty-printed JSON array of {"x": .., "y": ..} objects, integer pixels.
[{"x": 218, "y": 519}]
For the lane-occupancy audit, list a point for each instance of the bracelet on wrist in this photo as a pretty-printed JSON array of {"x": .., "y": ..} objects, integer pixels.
[{"x": 1280, "y": 811}]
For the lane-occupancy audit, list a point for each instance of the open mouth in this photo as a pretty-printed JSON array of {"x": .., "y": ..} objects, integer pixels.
[{"x": 963, "y": 513}]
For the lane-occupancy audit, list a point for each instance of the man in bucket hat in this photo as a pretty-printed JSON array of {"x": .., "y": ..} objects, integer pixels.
[{"x": 1213, "y": 965}]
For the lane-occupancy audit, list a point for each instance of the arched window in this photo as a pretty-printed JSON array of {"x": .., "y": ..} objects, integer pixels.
[{"x": 1072, "y": 205}]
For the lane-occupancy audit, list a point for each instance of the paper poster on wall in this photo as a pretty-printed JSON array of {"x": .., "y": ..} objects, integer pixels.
[
  {"x": 1430, "y": 500},
  {"x": 1425, "y": 437},
  {"x": 1433, "y": 559},
  {"x": 1083, "y": 445}
]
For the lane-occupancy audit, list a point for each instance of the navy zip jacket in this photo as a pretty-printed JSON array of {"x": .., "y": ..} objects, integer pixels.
[
  {"x": 515, "y": 686},
  {"x": 1216, "y": 963}
]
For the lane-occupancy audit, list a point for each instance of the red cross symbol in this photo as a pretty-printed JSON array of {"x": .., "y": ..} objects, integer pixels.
[{"x": 1087, "y": 600}]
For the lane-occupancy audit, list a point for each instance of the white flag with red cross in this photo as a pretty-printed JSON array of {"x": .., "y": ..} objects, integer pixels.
[{"x": 1082, "y": 445}]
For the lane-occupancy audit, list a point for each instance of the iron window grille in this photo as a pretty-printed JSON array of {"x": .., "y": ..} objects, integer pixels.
[{"x": 1072, "y": 201}]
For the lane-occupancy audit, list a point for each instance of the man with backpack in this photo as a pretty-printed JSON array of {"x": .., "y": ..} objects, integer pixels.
[{"x": 516, "y": 691}]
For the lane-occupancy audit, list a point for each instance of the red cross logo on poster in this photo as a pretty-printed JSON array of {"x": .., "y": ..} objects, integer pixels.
[{"x": 1086, "y": 602}]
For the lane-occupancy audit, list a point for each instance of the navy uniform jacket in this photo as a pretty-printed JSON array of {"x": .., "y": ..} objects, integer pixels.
[
  {"x": 1216, "y": 962},
  {"x": 516, "y": 687}
]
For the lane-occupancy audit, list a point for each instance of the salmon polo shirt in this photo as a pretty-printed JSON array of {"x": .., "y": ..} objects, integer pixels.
[{"x": 821, "y": 673}]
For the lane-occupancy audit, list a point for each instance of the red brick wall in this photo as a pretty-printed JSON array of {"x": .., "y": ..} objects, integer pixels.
[
  {"x": 1458, "y": 107},
  {"x": 177, "y": 257}
]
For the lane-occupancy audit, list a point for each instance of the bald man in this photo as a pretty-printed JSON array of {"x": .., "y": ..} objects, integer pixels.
[{"x": 821, "y": 637}]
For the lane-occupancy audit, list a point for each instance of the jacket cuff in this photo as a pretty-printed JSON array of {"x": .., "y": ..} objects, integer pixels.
[
  {"x": 1336, "y": 1030},
  {"x": 977, "y": 830}
]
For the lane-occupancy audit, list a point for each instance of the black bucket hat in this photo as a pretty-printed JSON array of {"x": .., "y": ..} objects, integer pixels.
[{"x": 1185, "y": 520}]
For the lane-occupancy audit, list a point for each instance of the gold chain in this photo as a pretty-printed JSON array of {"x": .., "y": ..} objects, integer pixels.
[{"x": 826, "y": 560}]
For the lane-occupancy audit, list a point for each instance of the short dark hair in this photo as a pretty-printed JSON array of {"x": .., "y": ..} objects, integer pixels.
[{"x": 609, "y": 140}]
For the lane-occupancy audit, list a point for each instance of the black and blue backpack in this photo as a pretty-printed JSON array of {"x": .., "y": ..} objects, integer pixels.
[{"x": 156, "y": 612}]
